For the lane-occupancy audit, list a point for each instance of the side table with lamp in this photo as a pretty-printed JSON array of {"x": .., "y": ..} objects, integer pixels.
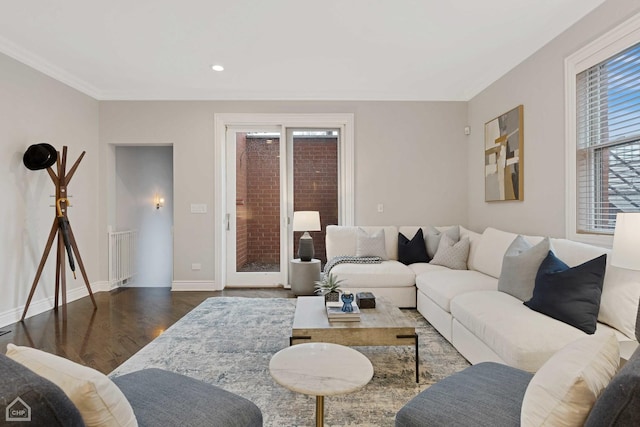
[{"x": 305, "y": 270}]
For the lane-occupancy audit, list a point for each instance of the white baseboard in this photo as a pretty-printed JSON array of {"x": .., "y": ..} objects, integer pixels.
[
  {"x": 194, "y": 285},
  {"x": 46, "y": 304}
]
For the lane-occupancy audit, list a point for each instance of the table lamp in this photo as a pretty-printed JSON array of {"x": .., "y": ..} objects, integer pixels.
[
  {"x": 306, "y": 221},
  {"x": 626, "y": 246}
]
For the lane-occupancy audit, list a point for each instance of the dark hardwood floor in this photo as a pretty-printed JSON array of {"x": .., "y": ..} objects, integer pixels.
[{"x": 126, "y": 320}]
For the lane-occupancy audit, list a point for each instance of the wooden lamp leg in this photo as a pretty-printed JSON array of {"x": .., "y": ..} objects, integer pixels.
[{"x": 43, "y": 260}]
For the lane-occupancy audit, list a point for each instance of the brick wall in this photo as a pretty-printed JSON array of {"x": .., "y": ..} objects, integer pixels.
[
  {"x": 315, "y": 172},
  {"x": 241, "y": 198},
  {"x": 263, "y": 201},
  {"x": 258, "y": 194}
]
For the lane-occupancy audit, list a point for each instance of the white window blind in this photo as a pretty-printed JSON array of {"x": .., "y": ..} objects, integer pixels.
[{"x": 608, "y": 141}]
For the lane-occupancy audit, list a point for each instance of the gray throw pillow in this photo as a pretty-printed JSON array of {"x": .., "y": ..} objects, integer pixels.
[
  {"x": 371, "y": 245},
  {"x": 452, "y": 254},
  {"x": 434, "y": 235},
  {"x": 519, "y": 267}
]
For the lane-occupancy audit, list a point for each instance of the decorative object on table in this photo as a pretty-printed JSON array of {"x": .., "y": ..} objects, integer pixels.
[
  {"x": 306, "y": 221},
  {"x": 335, "y": 313},
  {"x": 329, "y": 287},
  {"x": 347, "y": 300},
  {"x": 44, "y": 156},
  {"x": 504, "y": 157},
  {"x": 365, "y": 300}
]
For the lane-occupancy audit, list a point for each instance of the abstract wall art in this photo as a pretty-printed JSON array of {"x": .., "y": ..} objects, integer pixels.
[{"x": 504, "y": 157}]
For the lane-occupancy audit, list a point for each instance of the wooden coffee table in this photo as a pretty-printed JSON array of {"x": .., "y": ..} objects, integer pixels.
[{"x": 384, "y": 325}]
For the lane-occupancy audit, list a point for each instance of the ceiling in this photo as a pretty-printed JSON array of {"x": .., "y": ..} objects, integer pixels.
[{"x": 281, "y": 49}]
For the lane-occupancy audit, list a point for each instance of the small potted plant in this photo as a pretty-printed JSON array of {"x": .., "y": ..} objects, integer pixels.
[{"x": 329, "y": 288}]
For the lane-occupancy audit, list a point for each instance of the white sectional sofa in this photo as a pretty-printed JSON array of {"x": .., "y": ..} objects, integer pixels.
[{"x": 465, "y": 306}]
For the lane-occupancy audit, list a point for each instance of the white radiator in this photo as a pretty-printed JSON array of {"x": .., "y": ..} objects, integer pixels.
[{"x": 122, "y": 253}]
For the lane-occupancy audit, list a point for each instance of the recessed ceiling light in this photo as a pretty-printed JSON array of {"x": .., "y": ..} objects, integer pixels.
[{"x": 217, "y": 67}]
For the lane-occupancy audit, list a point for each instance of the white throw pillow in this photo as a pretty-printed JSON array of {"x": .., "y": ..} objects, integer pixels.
[
  {"x": 565, "y": 388},
  {"x": 452, "y": 254},
  {"x": 371, "y": 245},
  {"x": 99, "y": 400}
]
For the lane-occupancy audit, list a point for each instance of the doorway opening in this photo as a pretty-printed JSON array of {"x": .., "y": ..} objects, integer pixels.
[{"x": 144, "y": 208}]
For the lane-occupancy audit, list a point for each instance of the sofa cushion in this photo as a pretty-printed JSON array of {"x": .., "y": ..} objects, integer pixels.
[
  {"x": 424, "y": 267},
  {"x": 619, "y": 404},
  {"x": 342, "y": 240},
  {"x": 487, "y": 394},
  {"x": 490, "y": 251},
  {"x": 434, "y": 234},
  {"x": 619, "y": 301},
  {"x": 442, "y": 286},
  {"x": 520, "y": 266},
  {"x": 371, "y": 244},
  {"x": 153, "y": 392},
  {"x": 47, "y": 403},
  {"x": 563, "y": 391},
  {"x": 523, "y": 338},
  {"x": 414, "y": 250},
  {"x": 571, "y": 295},
  {"x": 621, "y": 288},
  {"x": 452, "y": 254},
  {"x": 100, "y": 401},
  {"x": 386, "y": 274}
]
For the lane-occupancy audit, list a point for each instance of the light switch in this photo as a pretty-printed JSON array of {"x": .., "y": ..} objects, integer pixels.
[
  {"x": 198, "y": 208},
  {"x": 380, "y": 207},
  {"x": 196, "y": 266}
]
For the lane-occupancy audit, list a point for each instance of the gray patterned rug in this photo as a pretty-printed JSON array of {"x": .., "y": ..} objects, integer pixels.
[{"x": 229, "y": 342}]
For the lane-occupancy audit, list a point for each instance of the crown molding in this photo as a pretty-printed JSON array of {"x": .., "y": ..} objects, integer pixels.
[{"x": 38, "y": 63}]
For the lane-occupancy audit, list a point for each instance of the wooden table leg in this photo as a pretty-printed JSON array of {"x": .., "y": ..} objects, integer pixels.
[{"x": 319, "y": 411}]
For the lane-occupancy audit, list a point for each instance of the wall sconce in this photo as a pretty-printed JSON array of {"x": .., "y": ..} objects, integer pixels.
[{"x": 158, "y": 201}]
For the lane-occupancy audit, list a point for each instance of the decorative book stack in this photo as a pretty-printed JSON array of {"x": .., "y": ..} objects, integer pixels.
[{"x": 335, "y": 313}]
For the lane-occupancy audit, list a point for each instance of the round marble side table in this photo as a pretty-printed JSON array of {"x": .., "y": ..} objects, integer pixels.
[{"x": 320, "y": 369}]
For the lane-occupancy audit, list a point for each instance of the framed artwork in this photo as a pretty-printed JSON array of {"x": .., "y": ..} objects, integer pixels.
[{"x": 504, "y": 157}]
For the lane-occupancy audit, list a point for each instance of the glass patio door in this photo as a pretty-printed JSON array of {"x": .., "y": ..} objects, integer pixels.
[{"x": 256, "y": 227}]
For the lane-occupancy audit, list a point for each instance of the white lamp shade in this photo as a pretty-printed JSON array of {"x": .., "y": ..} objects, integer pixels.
[
  {"x": 306, "y": 221},
  {"x": 626, "y": 241}
]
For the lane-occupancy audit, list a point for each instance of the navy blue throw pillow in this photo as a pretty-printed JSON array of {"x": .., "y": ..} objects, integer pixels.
[
  {"x": 571, "y": 295},
  {"x": 412, "y": 251}
]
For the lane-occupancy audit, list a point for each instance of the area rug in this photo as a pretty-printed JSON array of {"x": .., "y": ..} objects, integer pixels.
[{"x": 229, "y": 342}]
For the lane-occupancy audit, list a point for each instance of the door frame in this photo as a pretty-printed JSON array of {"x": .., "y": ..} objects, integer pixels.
[{"x": 346, "y": 203}]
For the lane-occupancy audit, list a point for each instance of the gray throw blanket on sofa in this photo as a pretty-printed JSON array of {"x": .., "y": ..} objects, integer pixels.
[{"x": 342, "y": 259}]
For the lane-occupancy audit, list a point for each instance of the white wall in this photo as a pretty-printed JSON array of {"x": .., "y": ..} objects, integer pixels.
[
  {"x": 538, "y": 84},
  {"x": 35, "y": 108},
  {"x": 141, "y": 173},
  {"x": 410, "y": 156}
]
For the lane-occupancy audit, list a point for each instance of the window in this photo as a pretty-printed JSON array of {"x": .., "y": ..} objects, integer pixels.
[
  {"x": 608, "y": 141},
  {"x": 603, "y": 133}
]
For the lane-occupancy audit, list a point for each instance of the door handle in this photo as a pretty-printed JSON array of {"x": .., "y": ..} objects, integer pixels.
[{"x": 228, "y": 219}]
